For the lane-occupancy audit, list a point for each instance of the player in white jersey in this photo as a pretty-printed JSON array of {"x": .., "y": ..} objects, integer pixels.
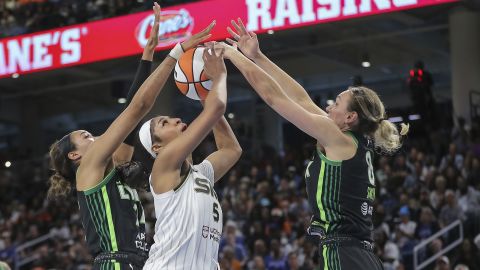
[{"x": 189, "y": 216}]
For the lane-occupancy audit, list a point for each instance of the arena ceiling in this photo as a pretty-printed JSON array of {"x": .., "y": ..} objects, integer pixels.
[{"x": 323, "y": 58}]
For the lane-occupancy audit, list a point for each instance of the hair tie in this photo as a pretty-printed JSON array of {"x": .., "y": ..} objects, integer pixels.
[{"x": 382, "y": 119}]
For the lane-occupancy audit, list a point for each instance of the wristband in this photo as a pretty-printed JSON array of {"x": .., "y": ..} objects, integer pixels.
[{"x": 176, "y": 52}]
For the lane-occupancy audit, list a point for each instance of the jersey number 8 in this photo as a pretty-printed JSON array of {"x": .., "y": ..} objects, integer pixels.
[{"x": 371, "y": 175}]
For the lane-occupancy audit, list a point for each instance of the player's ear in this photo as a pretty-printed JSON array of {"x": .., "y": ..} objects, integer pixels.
[{"x": 156, "y": 148}]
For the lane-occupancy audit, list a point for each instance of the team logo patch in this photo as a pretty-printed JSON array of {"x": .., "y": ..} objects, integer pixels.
[
  {"x": 364, "y": 208},
  {"x": 205, "y": 231}
]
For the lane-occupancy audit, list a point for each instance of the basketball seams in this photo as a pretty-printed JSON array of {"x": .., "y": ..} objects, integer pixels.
[
  {"x": 184, "y": 62},
  {"x": 188, "y": 71},
  {"x": 192, "y": 66},
  {"x": 181, "y": 69},
  {"x": 190, "y": 82}
]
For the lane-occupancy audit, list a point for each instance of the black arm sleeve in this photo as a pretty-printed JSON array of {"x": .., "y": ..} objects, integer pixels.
[{"x": 143, "y": 71}]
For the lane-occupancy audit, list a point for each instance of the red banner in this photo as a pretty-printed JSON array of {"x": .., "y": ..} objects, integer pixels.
[{"x": 126, "y": 35}]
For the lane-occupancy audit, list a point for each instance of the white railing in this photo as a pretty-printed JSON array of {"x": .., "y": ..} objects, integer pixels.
[
  {"x": 444, "y": 250},
  {"x": 22, "y": 261}
]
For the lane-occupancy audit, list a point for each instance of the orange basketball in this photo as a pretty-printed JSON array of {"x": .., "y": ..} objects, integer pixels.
[{"x": 189, "y": 75}]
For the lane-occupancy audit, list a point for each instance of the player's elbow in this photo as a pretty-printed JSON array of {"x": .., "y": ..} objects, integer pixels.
[
  {"x": 237, "y": 151},
  {"x": 234, "y": 154}
]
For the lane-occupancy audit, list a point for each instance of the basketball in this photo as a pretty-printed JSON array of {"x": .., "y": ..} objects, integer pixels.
[{"x": 189, "y": 75}]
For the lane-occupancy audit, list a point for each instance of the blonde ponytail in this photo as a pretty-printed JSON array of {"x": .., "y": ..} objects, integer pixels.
[
  {"x": 372, "y": 120},
  {"x": 387, "y": 138}
]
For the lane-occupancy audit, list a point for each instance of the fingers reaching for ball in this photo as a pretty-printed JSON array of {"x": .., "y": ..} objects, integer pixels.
[
  {"x": 214, "y": 64},
  {"x": 199, "y": 37}
]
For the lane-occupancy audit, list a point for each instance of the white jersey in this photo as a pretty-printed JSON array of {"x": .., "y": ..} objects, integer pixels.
[{"x": 189, "y": 224}]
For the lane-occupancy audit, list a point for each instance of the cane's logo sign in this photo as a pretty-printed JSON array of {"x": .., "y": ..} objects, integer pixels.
[{"x": 175, "y": 26}]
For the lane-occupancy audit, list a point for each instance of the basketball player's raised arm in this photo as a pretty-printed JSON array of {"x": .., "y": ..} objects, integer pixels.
[
  {"x": 170, "y": 159},
  {"x": 124, "y": 152},
  {"x": 102, "y": 149},
  {"x": 247, "y": 42},
  {"x": 317, "y": 126},
  {"x": 229, "y": 150}
]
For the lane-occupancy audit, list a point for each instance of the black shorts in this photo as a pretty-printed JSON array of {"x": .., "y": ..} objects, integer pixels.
[
  {"x": 348, "y": 257},
  {"x": 114, "y": 266}
]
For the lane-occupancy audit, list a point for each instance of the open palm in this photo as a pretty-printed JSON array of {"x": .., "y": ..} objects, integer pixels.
[
  {"x": 246, "y": 41},
  {"x": 198, "y": 37}
]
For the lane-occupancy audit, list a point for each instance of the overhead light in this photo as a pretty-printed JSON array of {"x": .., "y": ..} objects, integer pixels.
[
  {"x": 270, "y": 32},
  {"x": 231, "y": 116},
  {"x": 366, "y": 61},
  {"x": 8, "y": 164},
  {"x": 330, "y": 102},
  {"x": 122, "y": 100},
  {"x": 414, "y": 117},
  {"x": 395, "y": 119},
  {"x": 15, "y": 75}
]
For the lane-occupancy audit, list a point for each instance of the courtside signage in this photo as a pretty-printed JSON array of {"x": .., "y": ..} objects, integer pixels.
[{"x": 127, "y": 35}]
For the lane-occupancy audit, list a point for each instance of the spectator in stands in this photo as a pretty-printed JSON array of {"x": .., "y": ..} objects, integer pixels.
[
  {"x": 25, "y": 16},
  {"x": 400, "y": 170},
  {"x": 406, "y": 229},
  {"x": 278, "y": 260},
  {"x": 379, "y": 220},
  {"x": 427, "y": 225},
  {"x": 451, "y": 211},
  {"x": 387, "y": 250},
  {"x": 258, "y": 263},
  {"x": 228, "y": 260},
  {"x": 452, "y": 158},
  {"x": 292, "y": 263},
  {"x": 438, "y": 195},
  {"x": 468, "y": 197},
  {"x": 468, "y": 255},
  {"x": 424, "y": 199},
  {"x": 260, "y": 250},
  {"x": 229, "y": 239},
  {"x": 460, "y": 135},
  {"x": 443, "y": 263},
  {"x": 474, "y": 173}
]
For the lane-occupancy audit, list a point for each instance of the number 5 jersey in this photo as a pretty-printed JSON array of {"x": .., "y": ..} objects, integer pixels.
[{"x": 189, "y": 223}]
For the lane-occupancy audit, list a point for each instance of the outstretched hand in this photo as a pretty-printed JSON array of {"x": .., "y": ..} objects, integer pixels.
[
  {"x": 246, "y": 41},
  {"x": 214, "y": 63},
  {"x": 228, "y": 49},
  {"x": 153, "y": 38},
  {"x": 198, "y": 37}
]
